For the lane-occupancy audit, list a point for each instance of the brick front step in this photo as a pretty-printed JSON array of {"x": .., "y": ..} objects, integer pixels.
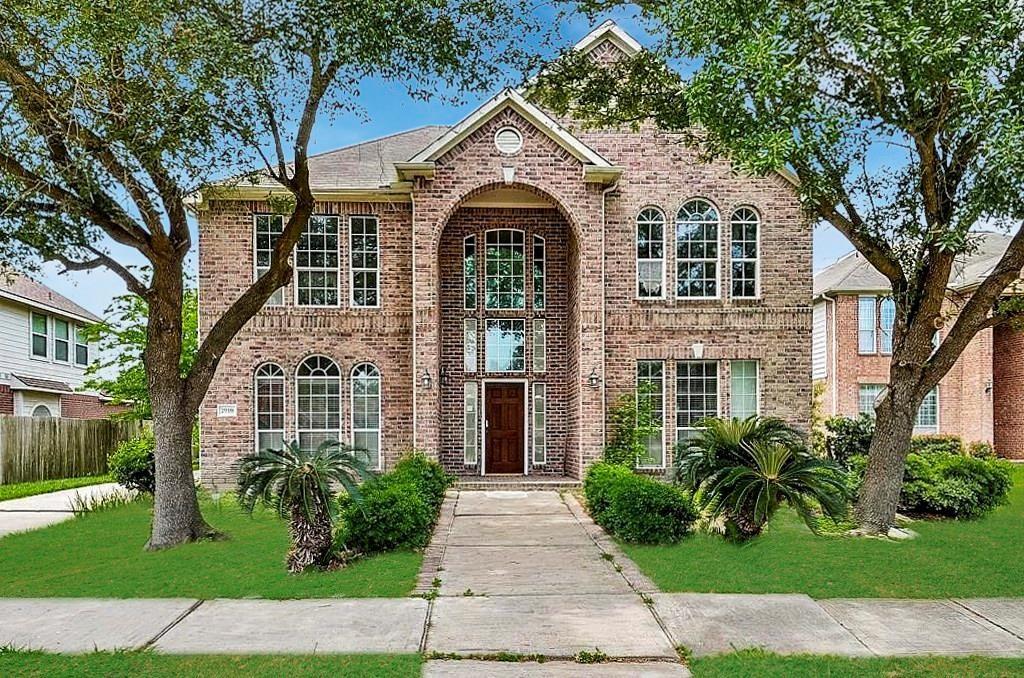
[{"x": 517, "y": 482}]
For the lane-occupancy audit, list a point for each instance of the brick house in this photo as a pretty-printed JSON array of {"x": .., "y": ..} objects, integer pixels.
[
  {"x": 486, "y": 292},
  {"x": 982, "y": 396},
  {"x": 43, "y": 356}
]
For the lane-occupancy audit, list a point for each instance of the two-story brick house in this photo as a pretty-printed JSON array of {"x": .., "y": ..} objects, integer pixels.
[
  {"x": 982, "y": 396},
  {"x": 486, "y": 292}
]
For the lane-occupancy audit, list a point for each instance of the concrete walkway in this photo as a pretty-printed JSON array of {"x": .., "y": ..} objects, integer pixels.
[
  {"x": 31, "y": 513},
  {"x": 529, "y": 574}
]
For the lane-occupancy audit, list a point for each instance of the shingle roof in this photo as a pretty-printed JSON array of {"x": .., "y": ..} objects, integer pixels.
[
  {"x": 853, "y": 273},
  {"x": 368, "y": 164},
  {"x": 45, "y": 384},
  {"x": 32, "y": 293}
]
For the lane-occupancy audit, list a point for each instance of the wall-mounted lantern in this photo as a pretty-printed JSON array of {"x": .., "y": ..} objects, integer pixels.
[
  {"x": 426, "y": 381},
  {"x": 594, "y": 379}
]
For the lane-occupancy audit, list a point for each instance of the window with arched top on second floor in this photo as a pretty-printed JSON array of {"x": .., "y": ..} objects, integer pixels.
[
  {"x": 745, "y": 253},
  {"x": 366, "y": 411},
  {"x": 268, "y": 398},
  {"x": 697, "y": 250},
  {"x": 317, "y": 401},
  {"x": 650, "y": 253}
]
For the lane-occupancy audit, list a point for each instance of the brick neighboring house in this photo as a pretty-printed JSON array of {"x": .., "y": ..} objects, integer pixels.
[
  {"x": 982, "y": 396},
  {"x": 42, "y": 357},
  {"x": 486, "y": 293}
]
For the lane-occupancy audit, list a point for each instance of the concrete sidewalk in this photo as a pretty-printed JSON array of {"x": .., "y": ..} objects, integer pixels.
[{"x": 31, "y": 513}]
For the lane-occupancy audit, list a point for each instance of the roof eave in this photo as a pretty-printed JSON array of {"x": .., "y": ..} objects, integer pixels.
[
  {"x": 49, "y": 308},
  {"x": 397, "y": 191}
]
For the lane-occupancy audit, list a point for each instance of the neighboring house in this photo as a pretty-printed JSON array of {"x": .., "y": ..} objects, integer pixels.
[
  {"x": 487, "y": 292},
  {"x": 42, "y": 354},
  {"x": 982, "y": 396}
]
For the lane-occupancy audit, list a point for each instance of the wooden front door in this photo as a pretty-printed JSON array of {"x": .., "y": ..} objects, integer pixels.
[{"x": 505, "y": 405}]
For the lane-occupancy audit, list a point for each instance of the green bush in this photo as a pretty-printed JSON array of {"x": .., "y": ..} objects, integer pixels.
[
  {"x": 928, "y": 444},
  {"x": 427, "y": 475},
  {"x": 846, "y": 437},
  {"x": 646, "y": 511},
  {"x": 981, "y": 450},
  {"x": 132, "y": 464},
  {"x": 954, "y": 485},
  {"x": 601, "y": 478},
  {"x": 392, "y": 513}
]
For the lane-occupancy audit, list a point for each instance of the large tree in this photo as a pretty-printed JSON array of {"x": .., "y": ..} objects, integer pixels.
[
  {"x": 115, "y": 111},
  {"x": 903, "y": 121}
]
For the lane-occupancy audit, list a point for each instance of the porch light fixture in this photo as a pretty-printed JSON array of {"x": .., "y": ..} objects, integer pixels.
[
  {"x": 594, "y": 380},
  {"x": 426, "y": 380},
  {"x": 698, "y": 350}
]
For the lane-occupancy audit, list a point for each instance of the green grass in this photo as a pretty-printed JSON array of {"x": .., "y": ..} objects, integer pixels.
[
  {"x": 150, "y": 664},
  {"x": 948, "y": 559},
  {"x": 763, "y": 665},
  {"x": 18, "y": 490},
  {"x": 101, "y": 555}
]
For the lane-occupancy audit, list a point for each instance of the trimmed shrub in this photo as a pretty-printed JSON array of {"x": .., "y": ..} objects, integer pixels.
[
  {"x": 928, "y": 444},
  {"x": 133, "y": 465},
  {"x": 981, "y": 450},
  {"x": 601, "y": 478},
  {"x": 427, "y": 475},
  {"x": 954, "y": 485},
  {"x": 848, "y": 438},
  {"x": 646, "y": 511},
  {"x": 392, "y": 513}
]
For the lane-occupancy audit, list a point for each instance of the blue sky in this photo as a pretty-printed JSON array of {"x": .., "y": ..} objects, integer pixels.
[{"x": 388, "y": 109}]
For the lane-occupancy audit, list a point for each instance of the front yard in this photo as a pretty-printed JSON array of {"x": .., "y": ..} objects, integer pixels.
[
  {"x": 19, "y": 490},
  {"x": 101, "y": 555},
  {"x": 949, "y": 559}
]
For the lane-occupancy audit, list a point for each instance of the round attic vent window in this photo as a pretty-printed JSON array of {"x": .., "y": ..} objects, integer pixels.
[{"x": 508, "y": 140}]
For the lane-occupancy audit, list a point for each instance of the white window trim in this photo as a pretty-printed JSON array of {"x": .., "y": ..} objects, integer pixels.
[
  {"x": 533, "y": 422},
  {"x": 718, "y": 393},
  {"x": 717, "y": 259},
  {"x": 918, "y": 430},
  {"x": 526, "y": 421},
  {"x": 476, "y": 273},
  {"x": 757, "y": 260},
  {"x": 71, "y": 341},
  {"x": 295, "y": 386},
  {"x": 255, "y": 254},
  {"x": 879, "y": 303},
  {"x": 636, "y": 387},
  {"x": 74, "y": 346},
  {"x": 875, "y": 325},
  {"x": 256, "y": 430},
  {"x": 637, "y": 260},
  {"x": 757, "y": 384},
  {"x": 351, "y": 263},
  {"x": 475, "y": 367},
  {"x": 380, "y": 411},
  {"x": 297, "y": 269},
  {"x": 534, "y": 353},
  {"x": 487, "y": 369},
  {"x": 543, "y": 273},
  {"x": 487, "y": 306},
  {"x": 475, "y": 387},
  {"x": 32, "y": 335}
]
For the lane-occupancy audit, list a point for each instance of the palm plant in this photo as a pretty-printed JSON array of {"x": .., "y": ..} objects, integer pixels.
[
  {"x": 741, "y": 471},
  {"x": 300, "y": 485}
]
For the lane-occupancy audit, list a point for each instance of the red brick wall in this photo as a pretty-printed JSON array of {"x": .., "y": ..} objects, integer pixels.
[
  {"x": 80, "y": 406},
  {"x": 1008, "y": 393},
  {"x": 6, "y": 399}
]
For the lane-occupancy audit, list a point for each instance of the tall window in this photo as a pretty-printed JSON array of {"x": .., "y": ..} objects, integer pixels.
[
  {"x": 928, "y": 414},
  {"x": 269, "y": 387},
  {"x": 540, "y": 448},
  {"x": 745, "y": 225},
  {"x": 650, "y": 253},
  {"x": 696, "y": 395},
  {"x": 469, "y": 345},
  {"x": 61, "y": 341},
  {"x": 650, "y": 383},
  {"x": 318, "y": 401},
  {"x": 40, "y": 336},
  {"x": 366, "y": 410},
  {"x": 316, "y": 263},
  {"x": 81, "y": 348},
  {"x": 539, "y": 286},
  {"x": 866, "y": 324},
  {"x": 364, "y": 248},
  {"x": 743, "y": 388},
  {"x": 697, "y": 250},
  {"x": 887, "y": 318},
  {"x": 469, "y": 272},
  {"x": 504, "y": 278},
  {"x": 268, "y": 228},
  {"x": 470, "y": 422},
  {"x": 540, "y": 342},
  {"x": 505, "y": 345},
  {"x": 866, "y": 396}
]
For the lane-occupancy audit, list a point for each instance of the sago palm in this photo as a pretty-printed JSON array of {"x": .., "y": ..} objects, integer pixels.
[
  {"x": 300, "y": 485},
  {"x": 742, "y": 471}
]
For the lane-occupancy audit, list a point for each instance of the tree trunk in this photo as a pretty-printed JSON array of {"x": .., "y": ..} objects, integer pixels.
[
  {"x": 883, "y": 480},
  {"x": 312, "y": 540}
]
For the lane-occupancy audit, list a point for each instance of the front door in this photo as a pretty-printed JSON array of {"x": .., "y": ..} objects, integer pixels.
[{"x": 505, "y": 403}]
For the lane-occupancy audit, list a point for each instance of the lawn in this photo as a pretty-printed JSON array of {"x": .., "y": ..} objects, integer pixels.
[
  {"x": 18, "y": 490},
  {"x": 155, "y": 665},
  {"x": 948, "y": 559},
  {"x": 763, "y": 665},
  {"x": 101, "y": 555}
]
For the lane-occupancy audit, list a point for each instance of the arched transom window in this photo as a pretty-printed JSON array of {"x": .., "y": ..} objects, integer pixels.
[
  {"x": 697, "y": 250},
  {"x": 318, "y": 401},
  {"x": 650, "y": 253},
  {"x": 366, "y": 410},
  {"x": 269, "y": 406}
]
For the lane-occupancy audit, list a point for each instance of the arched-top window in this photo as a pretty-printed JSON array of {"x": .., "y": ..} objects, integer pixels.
[
  {"x": 697, "y": 250},
  {"x": 505, "y": 268},
  {"x": 317, "y": 401},
  {"x": 650, "y": 253},
  {"x": 41, "y": 412},
  {"x": 366, "y": 410},
  {"x": 745, "y": 253},
  {"x": 268, "y": 386}
]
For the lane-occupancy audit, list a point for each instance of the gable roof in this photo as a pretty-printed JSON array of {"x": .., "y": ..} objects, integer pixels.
[
  {"x": 853, "y": 273},
  {"x": 25, "y": 290},
  {"x": 611, "y": 32}
]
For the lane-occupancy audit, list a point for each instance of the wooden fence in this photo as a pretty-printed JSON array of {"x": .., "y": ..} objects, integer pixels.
[{"x": 42, "y": 449}]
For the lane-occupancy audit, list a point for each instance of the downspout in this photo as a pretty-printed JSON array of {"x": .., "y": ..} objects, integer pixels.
[{"x": 604, "y": 297}]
